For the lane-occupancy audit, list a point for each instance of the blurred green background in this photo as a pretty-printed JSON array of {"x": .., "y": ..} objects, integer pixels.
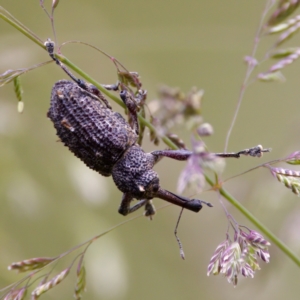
[{"x": 50, "y": 201}]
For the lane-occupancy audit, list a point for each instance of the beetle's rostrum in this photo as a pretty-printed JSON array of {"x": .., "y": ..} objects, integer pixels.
[{"x": 106, "y": 142}]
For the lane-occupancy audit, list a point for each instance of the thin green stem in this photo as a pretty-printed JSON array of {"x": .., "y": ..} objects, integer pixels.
[
  {"x": 6, "y": 16},
  {"x": 23, "y": 29}
]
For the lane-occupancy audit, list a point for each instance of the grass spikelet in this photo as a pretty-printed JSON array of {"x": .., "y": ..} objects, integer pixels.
[
  {"x": 54, "y": 3},
  {"x": 18, "y": 88},
  {"x": 18, "y": 91},
  {"x": 290, "y": 178},
  {"x": 81, "y": 280},
  {"x": 49, "y": 284},
  {"x": 284, "y": 26},
  {"x": 281, "y": 53},
  {"x": 293, "y": 161},
  {"x": 129, "y": 79},
  {"x": 290, "y": 182},
  {"x": 287, "y": 34},
  {"x": 286, "y": 172},
  {"x": 270, "y": 77},
  {"x": 18, "y": 294},
  {"x": 214, "y": 263},
  {"x": 205, "y": 129},
  {"x": 30, "y": 264},
  {"x": 285, "y": 62},
  {"x": 284, "y": 10},
  {"x": 294, "y": 158},
  {"x": 176, "y": 140},
  {"x": 232, "y": 258},
  {"x": 278, "y": 28}
]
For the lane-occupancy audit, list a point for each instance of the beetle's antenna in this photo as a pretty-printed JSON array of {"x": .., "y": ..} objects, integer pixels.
[
  {"x": 176, "y": 236},
  {"x": 181, "y": 252}
]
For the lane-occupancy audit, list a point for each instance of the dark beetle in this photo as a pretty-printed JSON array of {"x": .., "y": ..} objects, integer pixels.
[{"x": 106, "y": 143}]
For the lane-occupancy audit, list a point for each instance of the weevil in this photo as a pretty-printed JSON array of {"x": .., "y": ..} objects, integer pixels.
[{"x": 107, "y": 143}]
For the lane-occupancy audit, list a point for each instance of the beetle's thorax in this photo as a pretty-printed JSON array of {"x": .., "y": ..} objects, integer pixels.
[{"x": 133, "y": 173}]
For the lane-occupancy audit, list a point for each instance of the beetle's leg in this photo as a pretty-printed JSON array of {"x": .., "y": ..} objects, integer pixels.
[
  {"x": 131, "y": 104},
  {"x": 175, "y": 154},
  {"x": 125, "y": 208},
  {"x": 141, "y": 96},
  {"x": 125, "y": 204},
  {"x": 81, "y": 83},
  {"x": 256, "y": 151},
  {"x": 149, "y": 209},
  {"x": 112, "y": 87}
]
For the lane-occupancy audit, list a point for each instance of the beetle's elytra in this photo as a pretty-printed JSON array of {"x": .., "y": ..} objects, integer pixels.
[
  {"x": 93, "y": 132},
  {"x": 107, "y": 143}
]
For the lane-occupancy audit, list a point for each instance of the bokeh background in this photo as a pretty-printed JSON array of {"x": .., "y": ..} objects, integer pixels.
[{"x": 51, "y": 202}]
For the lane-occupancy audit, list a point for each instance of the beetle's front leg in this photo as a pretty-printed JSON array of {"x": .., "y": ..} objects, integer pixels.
[
  {"x": 149, "y": 209},
  {"x": 175, "y": 154},
  {"x": 256, "y": 151},
  {"x": 125, "y": 208}
]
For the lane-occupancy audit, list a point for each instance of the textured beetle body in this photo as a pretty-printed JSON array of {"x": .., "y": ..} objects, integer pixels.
[
  {"x": 133, "y": 173},
  {"x": 94, "y": 133},
  {"x": 106, "y": 143},
  {"x": 102, "y": 139}
]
